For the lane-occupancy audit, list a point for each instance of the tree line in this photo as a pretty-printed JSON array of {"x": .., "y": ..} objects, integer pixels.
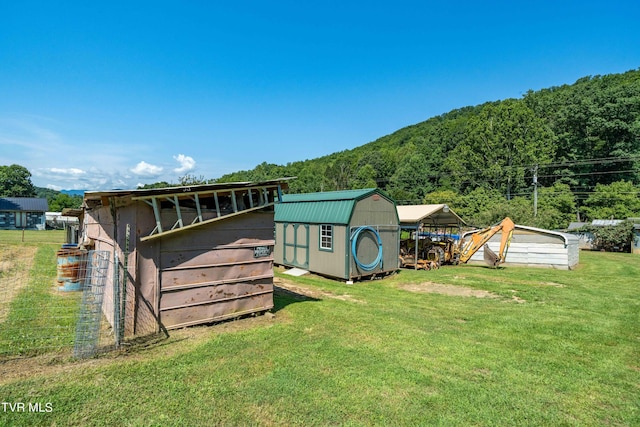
[
  {"x": 577, "y": 146},
  {"x": 15, "y": 181}
]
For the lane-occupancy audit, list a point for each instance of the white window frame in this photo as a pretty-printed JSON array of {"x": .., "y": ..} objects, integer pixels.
[{"x": 326, "y": 236}]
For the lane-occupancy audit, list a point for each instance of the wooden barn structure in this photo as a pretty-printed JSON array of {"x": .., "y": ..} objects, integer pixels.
[
  {"x": 185, "y": 255},
  {"x": 535, "y": 247},
  {"x": 342, "y": 234}
]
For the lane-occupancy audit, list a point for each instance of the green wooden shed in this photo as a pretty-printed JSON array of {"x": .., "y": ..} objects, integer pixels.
[{"x": 343, "y": 234}]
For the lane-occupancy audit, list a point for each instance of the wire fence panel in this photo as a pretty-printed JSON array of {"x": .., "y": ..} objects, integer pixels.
[
  {"x": 41, "y": 303},
  {"x": 88, "y": 326}
]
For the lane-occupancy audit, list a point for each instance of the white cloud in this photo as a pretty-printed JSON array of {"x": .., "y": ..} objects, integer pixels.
[
  {"x": 186, "y": 163},
  {"x": 68, "y": 171},
  {"x": 145, "y": 169}
]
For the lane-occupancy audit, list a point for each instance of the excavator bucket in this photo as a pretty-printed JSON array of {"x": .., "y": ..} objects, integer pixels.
[{"x": 490, "y": 257}]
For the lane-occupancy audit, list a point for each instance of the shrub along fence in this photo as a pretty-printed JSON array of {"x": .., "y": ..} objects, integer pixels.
[{"x": 51, "y": 301}]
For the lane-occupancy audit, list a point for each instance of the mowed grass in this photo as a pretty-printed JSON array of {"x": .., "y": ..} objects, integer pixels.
[
  {"x": 39, "y": 320},
  {"x": 32, "y": 236},
  {"x": 551, "y": 348}
]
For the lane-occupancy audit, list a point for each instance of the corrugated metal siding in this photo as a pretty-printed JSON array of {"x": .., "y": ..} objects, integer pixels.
[{"x": 535, "y": 250}]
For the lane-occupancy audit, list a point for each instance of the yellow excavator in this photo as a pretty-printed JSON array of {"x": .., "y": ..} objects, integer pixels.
[{"x": 481, "y": 237}]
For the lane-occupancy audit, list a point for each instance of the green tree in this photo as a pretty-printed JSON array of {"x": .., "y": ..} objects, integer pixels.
[
  {"x": 62, "y": 201},
  {"x": 189, "y": 179},
  {"x": 501, "y": 143},
  {"x": 448, "y": 197},
  {"x": 618, "y": 200},
  {"x": 411, "y": 179},
  {"x": 476, "y": 206},
  {"x": 556, "y": 207},
  {"x": 161, "y": 184},
  {"x": 15, "y": 181},
  {"x": 365, "y": 177}
]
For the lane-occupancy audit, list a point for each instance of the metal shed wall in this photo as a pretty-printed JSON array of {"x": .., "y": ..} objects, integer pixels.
[{"x": 536, "y": 248}]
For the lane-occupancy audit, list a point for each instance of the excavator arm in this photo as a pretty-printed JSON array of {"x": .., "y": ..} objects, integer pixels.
[{"x": 481, "y": 237}]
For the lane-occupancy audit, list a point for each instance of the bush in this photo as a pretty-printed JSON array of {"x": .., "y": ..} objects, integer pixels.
[{"x": 612, "y": 238}]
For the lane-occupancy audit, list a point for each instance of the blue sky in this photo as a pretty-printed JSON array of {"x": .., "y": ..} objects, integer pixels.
[{"x": 103, "y": 95}]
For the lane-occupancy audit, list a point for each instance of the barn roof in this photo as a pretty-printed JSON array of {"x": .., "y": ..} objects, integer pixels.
[
  {"x": 331, "y": 207},
  {"x": 190, "y": 196},
  {"x": 187, "y": 189},
  {"x": 438, "y": 214},
  {"x": 29, "y": 204}
]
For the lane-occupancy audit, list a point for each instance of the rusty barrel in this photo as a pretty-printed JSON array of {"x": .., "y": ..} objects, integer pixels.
[{"x": 71, "y": 269}]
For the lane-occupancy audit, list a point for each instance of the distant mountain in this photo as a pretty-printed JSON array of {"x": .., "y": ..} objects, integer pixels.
[{"x": 74, "y": 192}]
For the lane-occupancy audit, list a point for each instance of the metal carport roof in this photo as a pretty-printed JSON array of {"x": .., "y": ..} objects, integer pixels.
[{"x": 439, "y": 214}]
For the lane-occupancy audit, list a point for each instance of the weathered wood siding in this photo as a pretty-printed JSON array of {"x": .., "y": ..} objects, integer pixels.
[
  {"x": 214, "y": 272},
  {"x": 218, "y": 271}
]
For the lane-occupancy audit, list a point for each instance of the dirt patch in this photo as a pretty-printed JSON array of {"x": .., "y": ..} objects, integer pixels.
[
  {"x": 557, "y": 285},
  {"x": 14, "y": 274},
  {"x": 285, "y": 286},
  {"x": 451, "y": 290}
]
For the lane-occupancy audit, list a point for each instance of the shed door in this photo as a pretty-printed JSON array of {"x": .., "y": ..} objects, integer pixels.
[
  {"x": 296, "y": 245},
  {"x": 21, "y": 219}
]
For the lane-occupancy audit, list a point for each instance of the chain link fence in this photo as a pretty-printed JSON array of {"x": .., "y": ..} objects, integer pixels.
[{"x": 52, "y": 301}]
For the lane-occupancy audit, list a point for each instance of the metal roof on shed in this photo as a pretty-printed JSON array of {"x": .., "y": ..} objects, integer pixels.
[
  {"x": 331, "y": 207},
  {"x": 329, "y": 196},
  {"x": 25, "y": 204}
]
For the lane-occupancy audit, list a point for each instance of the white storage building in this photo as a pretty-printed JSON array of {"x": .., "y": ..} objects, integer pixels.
[{"x": 535, "y": 247}]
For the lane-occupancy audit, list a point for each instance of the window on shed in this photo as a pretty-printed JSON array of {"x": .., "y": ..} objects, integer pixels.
[{"x": 326, "y": 237}]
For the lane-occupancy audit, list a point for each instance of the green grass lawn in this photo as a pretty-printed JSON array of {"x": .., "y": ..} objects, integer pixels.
[
  {"x": 549, "y": 348},
  {"x": 32, "y": 236},
  {"x": 39, "y": 320}
]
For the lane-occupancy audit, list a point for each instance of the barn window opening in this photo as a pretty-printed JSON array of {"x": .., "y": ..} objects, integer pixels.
[{"x": 326, "y": 237}]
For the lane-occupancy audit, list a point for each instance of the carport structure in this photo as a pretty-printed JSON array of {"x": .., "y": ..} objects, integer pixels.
[{"x": 431, "y": 229}]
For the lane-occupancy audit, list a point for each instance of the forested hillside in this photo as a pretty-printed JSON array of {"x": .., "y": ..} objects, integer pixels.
[{"x": 579, "y": 142}]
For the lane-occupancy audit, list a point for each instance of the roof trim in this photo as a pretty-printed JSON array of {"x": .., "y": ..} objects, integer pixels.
[
  {"x": 332, "y": 196},
  {"x": 97, "y": 195}
]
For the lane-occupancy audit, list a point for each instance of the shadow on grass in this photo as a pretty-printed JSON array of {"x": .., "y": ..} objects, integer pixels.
[{"x": 282, "y": 297}]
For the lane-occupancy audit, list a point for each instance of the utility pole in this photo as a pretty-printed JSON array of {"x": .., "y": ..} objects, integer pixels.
[{"x": 535, "y": 191}]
